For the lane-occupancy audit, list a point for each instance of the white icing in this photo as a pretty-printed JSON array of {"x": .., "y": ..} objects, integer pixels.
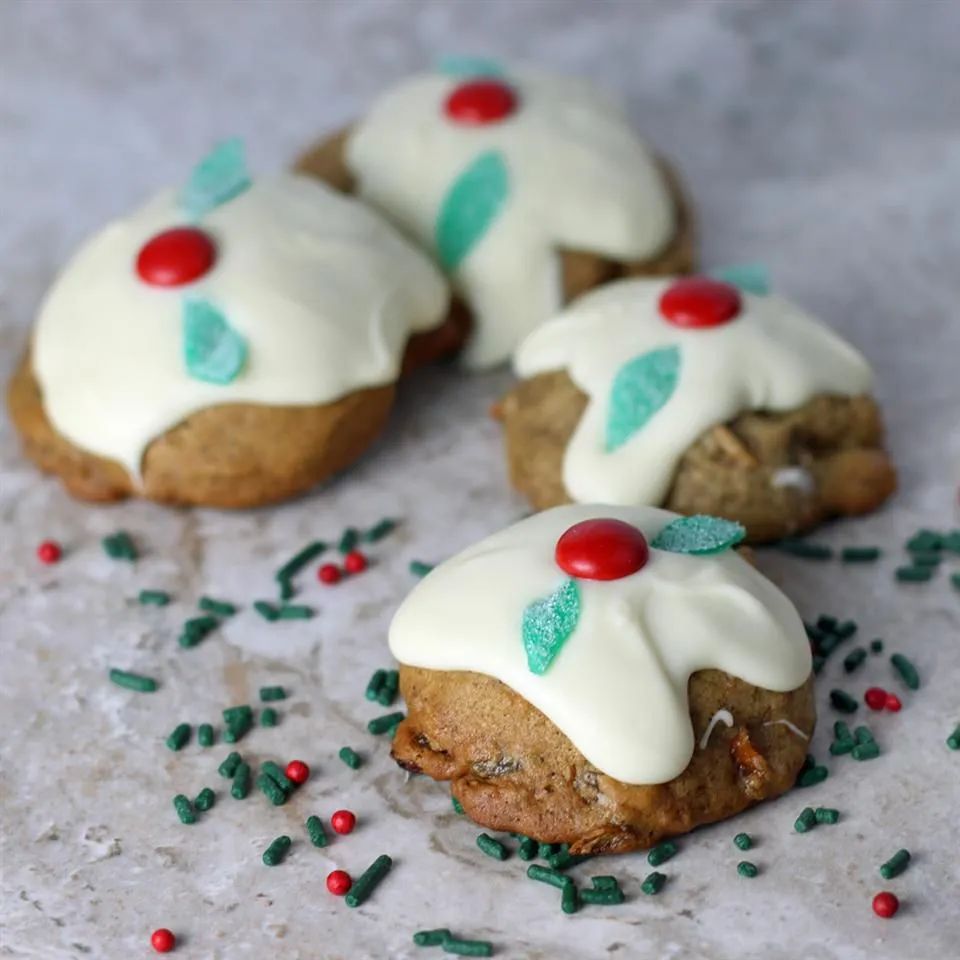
[
  {"x": 721, "y": 716},
  {"x": 580, "y": 179},
  {"x": 773, "y": 356},
  {"x": 792, "y": 727},
  {"x": 618, "y": 687},
  {"x": 325, "y": 293}
]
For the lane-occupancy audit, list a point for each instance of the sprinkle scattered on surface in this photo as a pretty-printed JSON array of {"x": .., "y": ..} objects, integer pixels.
[
  {"x": 154, "y": 598},
  {"x": 368, "y": 881},
  {"x": 277, "y": 851},
  {"x": 905, "y": 670},
  {"x": 133, "y": 681},
  {"x": 179, "y": 737}
]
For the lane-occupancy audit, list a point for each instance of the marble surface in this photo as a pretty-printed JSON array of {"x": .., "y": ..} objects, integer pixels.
[{"x": 819, "y": 137}]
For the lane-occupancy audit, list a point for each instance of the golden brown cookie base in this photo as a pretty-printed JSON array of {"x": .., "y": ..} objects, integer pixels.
[
  {"x": 231, "y": 455},
  {"x": 581, "y": 271},
  {"x": 513, "y": 770},
  {"x": 730, "y": 471}
]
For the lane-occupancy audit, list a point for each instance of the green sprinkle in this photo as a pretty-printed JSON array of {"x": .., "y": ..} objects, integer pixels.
[
  {"x": 153, "y": 598},
  {"x": 604, "y": 897},
  {"x": 841, "y": 731},
  {"x": 859, "y": 554},
  {"x": 268, "y": 717},
  {"x": 863, "y": 734},
  {"x": 229, "y": 766},
  {"x": 840, "y": 747},
  {"x": 854, "y": 658},
  {"x": 913, "y": 574},
  {"x": 348, "y": 540},
  {"x": 806, "y": 821},
  {"x": 906, "y": 670},
  {"x": 491, "y": 847},
  {"x": 955, "y": 579},
  {"x": 119, "y": 546},
  {"x": 466, "y": 948},
  {"x": 843, "y": 702},
  {"x": 818, "y": 663},
  {"x": 271, "y": 694},
  {"x": 269, "y": 788},
  {"x": 179, "y": 737},
  {"x": 605, "y": 883},
  {"x": 813, "y": 632},
  {"x": 876, "y": 646},
  {"x": 220, "y": 607},
  {"x": 545, "y": 875},
  {"x": 826, "y": 623},
  {"x": 895, "y": 865},
  {"x": 197, "y": 629},
  {"x": 350, "y": 758},
  {"x": 846, "y": 629},
  {"x": 802, "y": 548},
  {"x": 813, "y": 776},
  {"x": 953, "y": 741},
  {"x": 205, "y": 735},
  {"x": 379, "y": 530},
  {"x": 385, "y": 724},
  {"x": 238, "y": 727},
  {"x": 563, "y": 859},
  {"x": 278, "y": 776},
  {"x": 653, "y": 883},
  {"x": 374, "y": 684},
  {"x": 367, "y": 882},
  {"x": 827, "y": 815},
  {"x": 294, "y": 611},
  {"x": 547, "y": 850},
  {"x": 241, "y": 781},
  {"x": 527, "y": 849},
  {"x": 266, "y": 610},
  {"x": 318, "y": 836},
  {"x": 420, "y": 569},
  {"x": 431, "y": 938},
  {"x": 951, "y": 541},
  {"x": 184, "y": 809},
  {"x": 743, "y": 841},
  {"x": 388, "y": 689},
  {"x": 299, "y": 560},
  {"x": 276, "y": 852},
  {"x": 569, "y": 897},
  {"x": 661, "y": 853},
  {"x": 233, "y": 714},
  {"x": 457, "y": 806},
  {"x": 205, "y": 799},
  {"x": 287, "y": 590},
  {"x": 924, "y": 540},
  {"x": 747, "y": 869},
  {"x": 866, "y": 751},
  {"x": 926, "y": 559},
  {"x": 133, "y": 681}
]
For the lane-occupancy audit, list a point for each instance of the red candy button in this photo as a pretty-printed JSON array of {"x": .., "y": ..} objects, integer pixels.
[
  {"x": 699, "y": 302},
  {"x": 885, "y": 904},
  {"x": 481, "y": 101},
  {"x": 162, "y": 940},
  {"x": 339, "y": 882},
  {"x": 176, "y": 257},
  {"x": 875, "y": 698},
  {"x": 601, "y": 550}
]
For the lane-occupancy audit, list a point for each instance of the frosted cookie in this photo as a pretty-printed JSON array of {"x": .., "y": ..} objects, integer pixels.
[
  {"x": 230, "y": 343},
  {"x": 528, "y": 189},
  {"x": 696, "y": 396},
  {"x": 603, "y": 677}
]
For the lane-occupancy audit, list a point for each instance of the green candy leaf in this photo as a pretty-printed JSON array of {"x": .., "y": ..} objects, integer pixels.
[
  {"x": 699, "y": 535},
  {"x": 640, "y": 388},
  {"x": 470, "y": 206},
  {"x": 219, "y": 177},
  {"x": 547, "y": 625},
  {"x": 212, "y": 350},
  {"x": 748, "y": 277},
  {"x": 465, "y": 68}
]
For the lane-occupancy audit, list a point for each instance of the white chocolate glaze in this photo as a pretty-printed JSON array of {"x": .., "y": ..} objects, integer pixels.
[
  {"x": 618, "y": 687},
  {"x": 721, "y": 716},
  {"x": 579, "y": 179},
  {"x": 792, "y": 727},
  {"x": 325, "y": 293},
  {"x": 772, "y": 357}
]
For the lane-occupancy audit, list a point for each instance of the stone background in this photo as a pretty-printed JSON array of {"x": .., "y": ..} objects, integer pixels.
[{"x": 820, "y": 137}]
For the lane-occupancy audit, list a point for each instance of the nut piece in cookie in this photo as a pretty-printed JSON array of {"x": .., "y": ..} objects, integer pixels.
[
  {"x": 231, "y": 343},
  {"x": 694, "y": 395},
  {"x": 603, "y": 677},
  {"x": 527, "y": 188}
]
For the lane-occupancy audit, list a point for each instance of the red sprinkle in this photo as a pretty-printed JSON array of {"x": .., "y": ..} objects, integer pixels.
[
  {"x": 162, "y": 940},
  {"x": 893, "y": 703},
  {"x": 699, "y": 302},
  {"x": 875, "y": 698},
  {"x": 339, "y": 882},
  {"x": 176, "y": 257},
  {"x": 343, "y": 821},
  {"x": 602, "y": 549},
  {"x": 329, "y": 573},
  {"x": 354, "y": 562},
  {"x": 49, "y": 551},
  {"x": 885, "y": 904},
  {"x": 478, "y": 102},
  {"x": 297, "y": 771}
]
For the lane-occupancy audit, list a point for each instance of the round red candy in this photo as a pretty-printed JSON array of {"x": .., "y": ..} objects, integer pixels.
[
  {"x": 162, "y": 940},
  {"x": 176, "y": 257},
  {"x": 699, "y": 302},
  {"x": 297, "y": 771},
  {"x": 354, "y": 562},
  {"x": 893, "y": 703},
  {"x": 479, "y": 102},
  {"x": 885, "y": 904},
  {"x": 875, "y": 698},
  {"x": 601, "y": 549},
  {"x": 343, "y": 821},
  {"x": 329, "y": 573},
  {"x": 339, "y": 882},
  {"x": 49, "y": 551}
]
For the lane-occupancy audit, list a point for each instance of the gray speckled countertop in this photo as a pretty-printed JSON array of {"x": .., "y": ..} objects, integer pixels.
[{"x": 820, "y": 137}]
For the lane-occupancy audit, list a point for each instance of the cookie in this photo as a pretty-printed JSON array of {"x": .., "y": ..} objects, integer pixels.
[
  {"x": 229, "y": 344},
  {"x": 603, "y": 677},
  {"x": 528, "y": 189},
  {"x": 699, "y": 397}
]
